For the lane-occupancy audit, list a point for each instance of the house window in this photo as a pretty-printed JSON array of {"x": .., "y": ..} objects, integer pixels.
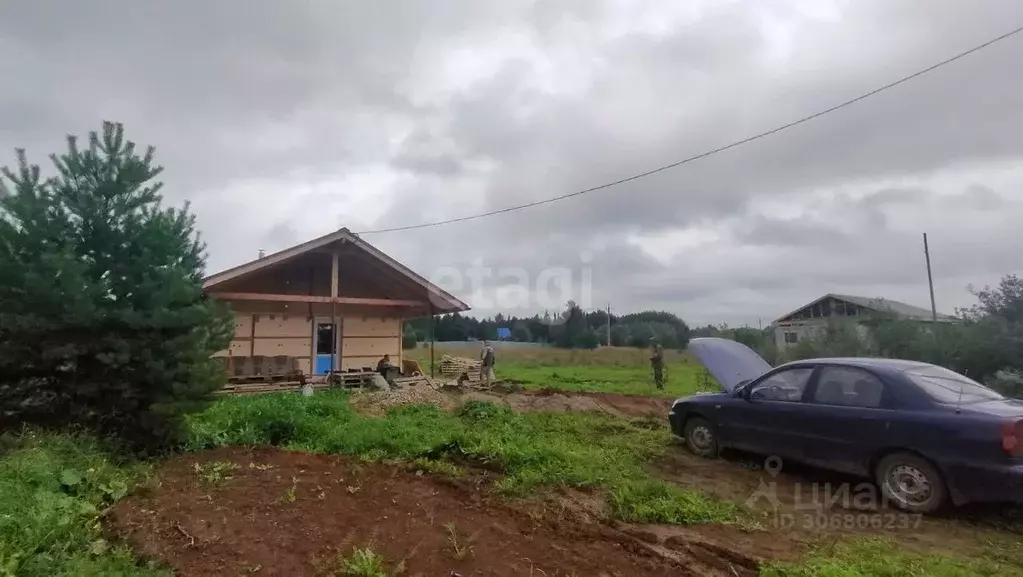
[{"x": 791, "y": 338}]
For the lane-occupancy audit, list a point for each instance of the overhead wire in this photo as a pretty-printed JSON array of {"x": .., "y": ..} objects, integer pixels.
[{"x": 707, "y": 153}]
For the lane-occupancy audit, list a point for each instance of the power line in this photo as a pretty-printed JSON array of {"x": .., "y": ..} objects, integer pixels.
[{"x": 709, "y": 152}]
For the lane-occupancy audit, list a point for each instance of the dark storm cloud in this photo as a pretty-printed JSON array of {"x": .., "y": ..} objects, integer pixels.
[{"x": 273, "y": 116}]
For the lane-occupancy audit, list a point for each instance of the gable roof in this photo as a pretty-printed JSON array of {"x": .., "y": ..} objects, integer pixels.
[
  {"x": 878, "y": 304},
  {"x": 343, "y": 235}
]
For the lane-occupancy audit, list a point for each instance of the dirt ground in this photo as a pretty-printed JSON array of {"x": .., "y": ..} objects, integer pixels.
[
  {"x": 284, "y": 513},
  {"x": 295, "y": 514}
]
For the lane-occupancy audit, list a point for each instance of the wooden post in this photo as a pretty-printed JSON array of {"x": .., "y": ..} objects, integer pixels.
[
  {"x": 334, "y": 349},
  {"x": 252, "y": 337},
  {"x": 312, "y": 323},
  {"x": 930, "y": 280},
  {"x": 432, "y": 334}
]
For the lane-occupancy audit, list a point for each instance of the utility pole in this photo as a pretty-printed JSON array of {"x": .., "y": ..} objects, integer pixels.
[
  {"x": 609, "y": 324},
  {"x": 930, "y": 280}
]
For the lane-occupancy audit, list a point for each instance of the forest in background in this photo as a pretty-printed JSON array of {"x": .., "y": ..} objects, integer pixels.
[{"x": 570, "y": 328}]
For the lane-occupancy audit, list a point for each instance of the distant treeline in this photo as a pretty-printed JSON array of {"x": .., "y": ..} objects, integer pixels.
[{"x": 571, "y": 328}]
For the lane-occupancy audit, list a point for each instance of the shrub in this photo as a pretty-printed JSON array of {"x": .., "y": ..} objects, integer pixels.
[
  {"x": 103, "y": 320},
  {"x": 1009, "y": 382}
]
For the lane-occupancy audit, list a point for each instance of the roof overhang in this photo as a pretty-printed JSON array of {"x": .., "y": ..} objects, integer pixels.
[
  {"x": 782, "y": 319},
  {"x": 440, "y": 300}
]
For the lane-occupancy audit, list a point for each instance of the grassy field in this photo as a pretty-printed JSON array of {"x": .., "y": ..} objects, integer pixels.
[
  {"x": 608, "y": 370},
  {"x": 55, "y": 489}
]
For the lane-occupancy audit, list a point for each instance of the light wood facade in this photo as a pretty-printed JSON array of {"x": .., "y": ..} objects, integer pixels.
[{"x": 333, "y": 303}]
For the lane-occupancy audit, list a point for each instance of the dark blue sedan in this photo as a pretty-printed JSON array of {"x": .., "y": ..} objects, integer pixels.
[{"x": 924, "y": 434}]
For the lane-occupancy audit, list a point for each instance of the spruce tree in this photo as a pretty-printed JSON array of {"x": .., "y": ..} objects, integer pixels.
[{"x": 103, "y": 320}]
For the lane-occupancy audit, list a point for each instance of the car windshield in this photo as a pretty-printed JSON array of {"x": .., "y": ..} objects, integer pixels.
[{"x": 950, "y": 387}]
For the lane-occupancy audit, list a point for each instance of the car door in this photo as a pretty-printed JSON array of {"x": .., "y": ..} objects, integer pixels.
[
  {"x": 765, "y": 419},
  {"x": 846, "y": 419}
]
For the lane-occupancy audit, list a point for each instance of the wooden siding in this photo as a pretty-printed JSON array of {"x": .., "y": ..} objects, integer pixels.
[{"x": 275, "y": 328}]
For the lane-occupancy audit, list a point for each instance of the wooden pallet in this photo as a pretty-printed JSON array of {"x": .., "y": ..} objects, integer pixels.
[
  {"x": 259, "y": 388},
  {"x": 253, "y": 379},
  {"x": 341, "y": 380},
  {"x": 351, "y": 380},
  {"x": 414, "y": 381},
  {"x": 459, "y": 367}
]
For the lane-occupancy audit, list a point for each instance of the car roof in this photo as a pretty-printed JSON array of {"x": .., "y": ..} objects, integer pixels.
[{"x": 863, "y": 362}]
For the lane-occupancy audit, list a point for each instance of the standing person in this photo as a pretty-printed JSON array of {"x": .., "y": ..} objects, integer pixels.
[
  {"x": 486, "y": 364},
  {"x": 657, "y": 362}
]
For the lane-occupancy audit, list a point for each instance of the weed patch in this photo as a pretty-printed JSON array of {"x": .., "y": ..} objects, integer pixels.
[
  {"x": 871, "y": 557},
  {"x": 362, "y": 563},
  {"x": 53, "y": 493},
  {"x": 214, "y": 473}
]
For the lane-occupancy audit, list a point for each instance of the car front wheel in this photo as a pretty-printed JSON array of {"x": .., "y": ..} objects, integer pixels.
[
  {"x": 911, "y": 483},
  {"x": 701, "y": 438}
]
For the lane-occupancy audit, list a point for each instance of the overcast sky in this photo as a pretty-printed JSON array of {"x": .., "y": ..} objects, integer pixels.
[{"x": 281, "y": 121}]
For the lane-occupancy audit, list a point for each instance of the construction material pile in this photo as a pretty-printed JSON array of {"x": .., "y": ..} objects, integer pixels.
[
  {"x": 460, "y": 369},
  {"x": 378, "y": 402}
]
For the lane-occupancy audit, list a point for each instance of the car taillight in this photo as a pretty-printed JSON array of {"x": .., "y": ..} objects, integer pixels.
[{"x": 1012, "y": 438}]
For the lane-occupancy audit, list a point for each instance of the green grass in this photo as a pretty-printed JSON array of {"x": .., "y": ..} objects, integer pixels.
[
  {"x": 680, "y": 378},
  {"x": 535, "y": 451},
  {"x": 54, "y": 489},
  {"x": 882, "y": 558},
  {"x": 53, "y": 492},
  {"x": 362, "y": 563},
  {"x": 607, "y": 370}
]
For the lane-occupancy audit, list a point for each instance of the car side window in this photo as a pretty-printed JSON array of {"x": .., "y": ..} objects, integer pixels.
[
  {"x": 787, "y": 385},
  {"x": 848, "y": 387}
]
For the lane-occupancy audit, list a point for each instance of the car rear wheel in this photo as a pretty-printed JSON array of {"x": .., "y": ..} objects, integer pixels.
[
  {"x": 911, "y": 483},
  {"x": 701, "y": 438}
]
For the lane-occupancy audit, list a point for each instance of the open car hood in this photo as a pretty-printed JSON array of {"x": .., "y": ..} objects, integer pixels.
[{"x": 732, "y": 363}]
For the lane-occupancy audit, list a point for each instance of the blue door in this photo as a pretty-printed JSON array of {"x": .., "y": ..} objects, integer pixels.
[{"x": 326, "y": 347}]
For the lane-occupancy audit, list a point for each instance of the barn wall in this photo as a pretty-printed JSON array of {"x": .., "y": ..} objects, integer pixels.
[
  {"x": 811, "y": 329},
  {"x": 270, "y": 329},
  {"x": 276, "y": 328},
  {"x": 366, "y": 338}
]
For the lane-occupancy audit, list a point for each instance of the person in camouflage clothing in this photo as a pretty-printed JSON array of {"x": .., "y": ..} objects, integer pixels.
[
  {"x": 657, "y": 362},
  {"x": 487, "y": 364}
]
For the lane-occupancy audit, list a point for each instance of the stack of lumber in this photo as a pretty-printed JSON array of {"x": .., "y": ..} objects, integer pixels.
[
  {"x": 260, "y": 388},
  {"x": 459, "y": 368},
  {"x": 414, "y": 381}
]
